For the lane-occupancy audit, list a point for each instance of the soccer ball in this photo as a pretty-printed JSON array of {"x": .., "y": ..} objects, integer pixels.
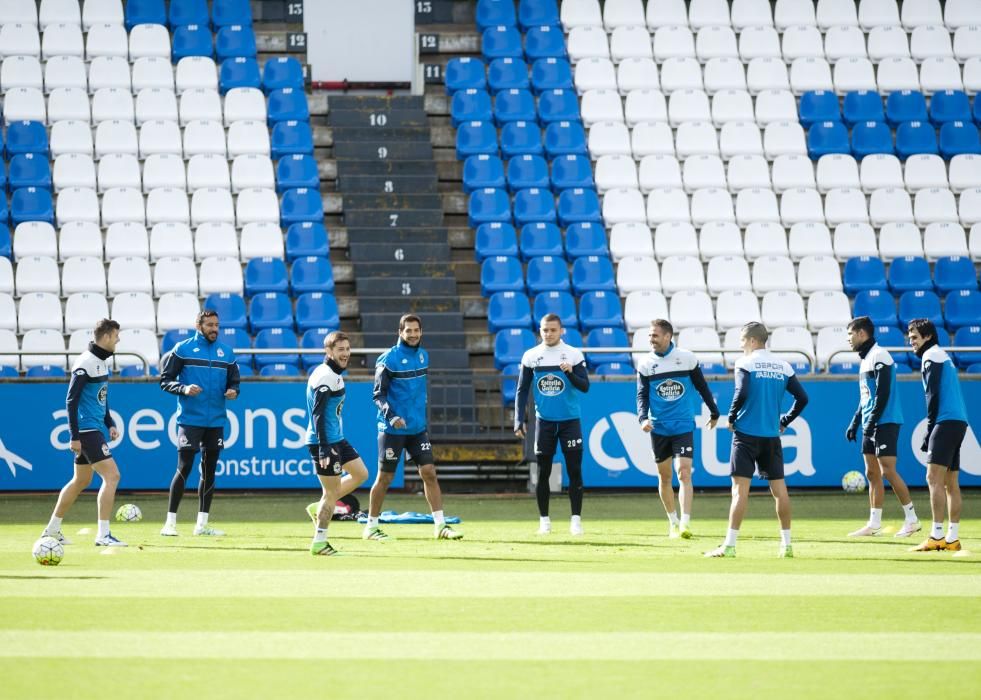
[
  {"x": 129, "y": 513},
  {"x": 48, "y": 551},
  {"x": 853, "y": 482}
]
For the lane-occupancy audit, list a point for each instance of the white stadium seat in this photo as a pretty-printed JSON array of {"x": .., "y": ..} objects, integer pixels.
[
  {"x": 19, "y": 40},
  {"x": 244, "y": 104},
  {"x": 630, "y": 42},
  {"x": 969, "y": 209},
  {"x": 208, "y": 171},
  {"x": 800, "y": 204},
  {"x": 930, "y": 42},
  {"x": 724, "y": 74},
  {"x": 783, "y": 138},
  {"x": 681, "y": 74},
  {"x": 149, "y": 40},
  {"x": 844, "y": 42},
  {"x": 720, "y": 238},
  {"x": 8, "y": 338},
  {"x": 703, "y": 171},
  {"x": 109, "y": 72},
  {"x": 84, "y": 309},
  {"x": 732, "y": 106},
  {"x": 175, "y": 275},
  {"x": 686, "y": 106},
  {"x": 221, "y": 274},
  {"x": 827, "y": 308},
  {"x": 101, "y": 12},
  {"x": 24, "y": 104},
  {"x": 171, "y": 239},
  {"x": 212, "y": 206},
  {"x": 112, "y": 103},
  {"x": 106, "y": 40},
  {"x": 924, "y": 171},
  {"x": 595, "y": 74},
  {"x": 774, "y": 273},
  {"x": 836, "y": 170},
  {"x": 675, "y": 238},
  {"x": 261, "y": 239},
  {"x": 164, "y": 170},
  {"x": 129, "y": 275},
  {"x": 789, "y": 13},
  {"x": 793, "y": 344},
  {"x": 696, "y": 138},
  {"x": 890, "y": 204},
  {"x": 59, "y": 11},
  {"x": 791, "y": 171},
  {"x": 127, "y": 239},
  {"x": 751, "y": 13},
  {"x": 831, "y": 340},
  {"x": 73, "y": 170},
  {"x": 961, "y": 13},
  {"x": 716, "y": 42},
  {"x": 938, "y": 74},
  {"x": 33, "y": 238},
  {"x": 944, "y": 240},
  {"x": 18, "y": 12},
  {"x": 630, "y": 239},
  {"x": 199, "y": 104},
  {"x": 69, "y": 104},
  {"x": 71, "y": 137},
  {"x": 651, "y": 138},
  {"x": 832, "y": 13},
  {"x": 46, "y": 340},
  {"x": 783, "y": 308},
  {"x": 974, "y": 242},
  {"x": 775, "y": 106},
  {"x": 623, "y": 205},
  {"x": 854, "y": 74},
  {"x": 79, "y": 238},
  {"x": 756, "y": 204},
  {"x": 152, "y": 72},
  {"x": 759, "y": 42},
  {"x": 692, "y": 308},
  {"x": 167, "y": 204},
  {"x": 601, "y": 106},
  {"x": 810, "y": 74},
  {"x": 254, "y": 171},
  {"x": 878, "y": 13},
  {"x": 637, "y": 74},
  {"x": 740, "y": 139},
  {"x": 895, "y": 74},
  {"x": 704, "y": 342},
  {"x": 667, "y": 205},
  {"x": 845, "y": 204},
  {"x": 77, "y": 204},
  {"x": 637, "y": 273},
  {"x": 162, "y": 137},
  {"x": 967, "y": 44},
  {"x": 206, "y": 137},
  {"x": 581, "y": 13},
  {"x": 899, "y": 240},
  {"x": 965, "y": 172},
  {"x": 765, "y": 238},
  {"x": 734, "y": 308},
  {"x": 646, "y": 105},
  {"x": 123, "y": 204},
  {"x": 818, "y": 273},
  {"x": 39, "y": 310},
  {"x": 115, "y": 137},
  {"x": 156, "y": 104},
  {"x": 880, "y": 170},
  {"x": 888, "y": 42},
  {"x": 708, "y": 13},
  {"x": 584, "y": 43},
  {"x": 6, "y": 276},
  {"x": 176, "y": 310},
  {"x": 640, "y": 308},
  {"x": 83, "y": 274},
  {"x": 195, "y": 72},
  {"x": 711, "y": 204},
  {"x": 609, "y": 138},
  {"x": 139, "y": 340},
  {"x": 215, "y": 239},
  {"x": 744, "y": 172},
  {"x": 727, "y": 273},
  {"x": 245, "y": 138},
  {"x": 682, "y": 273},
  {"x": 664, "y": 13},
  {"x": 935, "y": 205},
  {"x": 802, "y": 41},
  {"x": 615, "y": 171},
  {"x": 852, "y": 240},
  {"x": 21, "y": 72},
  {"x": 62, "y": 40},
  {"x": 673, "y": 42},
  {"x": 134, "y": 310}
]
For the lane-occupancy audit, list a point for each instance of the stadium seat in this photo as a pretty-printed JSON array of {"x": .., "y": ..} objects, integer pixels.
[
  {"x": 508, "y": 310},
  {"x": 252, "y": 170},
  {"x": 26, "y": 137},
  {"x": 565, "y": 138},
  {"x": 492, "y": 13},
  {"x": 559, "y": 303},
  {"x": 592, "y": 273},
  {"x": 547, "y": 274},
  {"x": 300, "y": 204},
  {"x": 274, "y": 339},
  {"x": 909, "y": 273},
  {"x": 230, "y": 308},
  {"x": 836, "y": 171},
  {"x": 962, "y": 308},
  {"x": 474, "y": 138},
  {"x": 944, "y": 240},
  {"x": 39, "y": 310},
  {"x": 936, "y": 205},
  {"x": 959, "y": 138},
  {"x": 637, "y": 273},
  {"x": 461, "y": 74},
  {"x": 525, "y": 171},
  {"x": 489, "y": 205},
  {"x": 229, "y": 12},
  {"x": 286, "y": 105},
  {"x": 817, "y": 107},
  {"x": 264, "y": 275},
  {"x": 919, "y": 304},
  {"x": 501, "y": 42},
  {"x": 540, "y": 239},
  {"x": 311, "y": 274},
  {"x": 472, "y": 105},
  {"x": 571, "y": 172},
  {"x": 495, "y": 239},
  {"x": 825, "y": 138},
  {"x": 191, "y": 40},
  {"x": 578, "y": 205},
  {"x": 316, "y": 309},
  {"x": 585, "y": 238},
  {"x": 220, "y": 274},
  {"x": 501, "y": 274},
  {"x": 306, "y": 239},
  {"x": 270, "y": 310},
  {"x": 31, "y": 204},
  {"x": 864, "y": 273},
  {"x": 241, "y": 73},
  {"x": 313, "y": 339},
  {"x": 170, "y": 240},
  {"x": 507, "y": 74},
  {"x": 521, "y": 138},
  {"x": 734, "y": 308},
  {"x": 483, "y": 171},
  {"x": 510, "y": 345},
  {"x": 967, "y": 336},
  {"x": 127, "y": 239},
  {"x": 38, "y": 273},
  {"x": 84, "y": 309},
  {"x": 607, "y": 338},
  {"x": 288, "y": 138},
  {"x": 955, "y": 273},
  {"x": 862, "y": 106},
  {"x": 878, "y": 305},
  {"x": 34, "y": 238}
]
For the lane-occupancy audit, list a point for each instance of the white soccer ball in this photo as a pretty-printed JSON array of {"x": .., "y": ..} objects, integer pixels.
[
  {"x": 48, "y": 551},
  {"x": 853, "y": 482},
  {"x": 129, "y": 513}
]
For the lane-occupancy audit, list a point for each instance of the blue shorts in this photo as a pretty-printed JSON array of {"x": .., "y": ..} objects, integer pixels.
[
  {"x": 752, "y": 454},
  {"x": 94, "y": 448},
  {"x": 551, "y": 435}
]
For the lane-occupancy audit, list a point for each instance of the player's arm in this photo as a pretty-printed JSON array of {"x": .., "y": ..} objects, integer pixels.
[
  {"x": 579, "y": 377},
  {"x": 75, "y": 386},
  {"x": 171, "y": 367},
  {"x": 110, "y": 423},
  {"x": 525, "y": 375},
  {"x": 795, "y": 389},
  {"x": 883, "y": 388},
  {"x": 233, "y": 378},
  {"x": 852, "y": 431},
  {"x": 643, "y": 397},
  {"x": 320, "y": 399},
  {"x": 739, "y": 397},
  {"x": 379, "y": 394},
  {"x": 702, "y": 387},
  {"x": 932, "y": 372}
]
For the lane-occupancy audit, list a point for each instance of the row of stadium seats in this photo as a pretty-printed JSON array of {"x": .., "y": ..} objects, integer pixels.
[{"x": 93, "y": 12}]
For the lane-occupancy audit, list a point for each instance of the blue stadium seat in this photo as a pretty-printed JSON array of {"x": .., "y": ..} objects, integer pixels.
[
  {"x": 953, "y": 273},
  {"x": 188, "y": 12},
  {"x": 864, "y": 273},
  {"x": 578, "y": 205},
  {"x": 265, "y": 275},
  {"x": 172, "y": 337},
  {"x": 6, "y": 247},
  {"x": 270, "y": 310},
  {"x": 552, "y": 74},
  {"x": 594, "y": 273},
  {"x": 600, "y": 309},
  {"x": 547, "y": 274},
  {"x": 509, "y": 384},
  {"x": 905, "y": 106},
  {"x": 949, "y": 106},
  {"x": 234, "y": 42},
  {"x": 572, "y": 337},
  {"x": 474, "y": 138},
  {"x": 558, "y": 105},
  {"x": 565, "y": 138},
  {"x": 913, "y": 138},
  {"x": 508, "y": 310},
  {"x": 510, "y": 345},
  {"x": 301, "y": 204},
  {"x": 521, "y": 138},
  {"x": 495, "y": 239},
  {"x": 909, "y": 273},
  {"x": 844, "y": 368},
  {"x": 862, "y": 106},
  {"x": 501, "y": 42},
  {"x": 291, "y": 137},
  {"x": 3, "y": 176},
  {"x": 967, "y": 336},
  {"x": 963, "y": 308},
  {"x": 487, "y": 205},
  {"x": 501, "y": 274},
  {"x": 957, "y": 138},
  {"x": 297, "y": 171},
  {"x": 305, "y": 239},
  {"x": 282, "y": 72},
  {"x": 228, "y": 12},
  {"x": 192, "y": 40},
  {"x": 920, "y": 304},
  {"x": 230, "y": 308},
  {"x": 544, "y": 42},
  {"x": 527, "y": 171},
  {"x": 4, "y": 213},
  {"x": 464, "y": 73},
  {"x": 825, "y": 138},
  {"x": 145, "y": 12},
  {"x": 540, "y": 239},
  {"x": 537, "y": 13},
  {"x": 26, "y": 137},
  {"x": 274, "y": 338},
  {"x": 313, "y": 339},
  {"x": 818, "y": 106},
  {"x": 45, "y": 372},
  {"x": 315, "y": 310},
  {"x": 533, "y": 205},
  {"x": 482, "y": 171},
  {"x": 617, "y": 369},
  {"x": 869, "y": 138},
  {"x": 311, "y": 274},
  {"x": 287, "y": 104},
  {"x": 559, "y": 303},
  {"x": 514, "y": 106},
  {"x": 586, "y": 238},
  {"x": 470, "y": 106},
  {"x": 890, "y": 336},
  {"x": 280, "y": 369},
  {"x": 712, "y": 367},
  {"x": 245, "y": 371},
  {"x": 29, "y": 170},
  {"x": 571, "y": 171},
  {"x": 31, "y": 204},
  {"x": 8, "y": 372},
  {"x": 493, "y": 13},
  {"x": 607, "y": 338},
  {"x": 236, "y": 338},
  {"x": 879, "y": 305},
  {"x": 976, "y": 110},
  {"x": 507, "y": 74},
  {"x": 136, "y": 371},
  {"x": 974, "y": 369},
  {"x": 238, "y": 73}
]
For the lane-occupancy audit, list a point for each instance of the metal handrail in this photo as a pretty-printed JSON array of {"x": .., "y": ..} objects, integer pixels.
[
  {"x": 905, "y": 348},
  {"x": 68, "y": 353}
]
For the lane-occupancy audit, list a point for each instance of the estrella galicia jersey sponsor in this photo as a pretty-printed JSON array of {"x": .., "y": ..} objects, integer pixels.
[
  {"x": 666, "y": 386},
  {"x": 88, "y": 392},
  {"x": 325, "y": 402},
  {"x": 556, "y": 392}
]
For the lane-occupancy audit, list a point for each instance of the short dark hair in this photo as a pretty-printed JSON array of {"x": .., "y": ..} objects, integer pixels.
[
  {"x": 105, "y": 327},
  {"x": 923, "y": 326},
  {"x": 862, "y": 323},
  {"x": 333, "y": 338},
  {"x": 664, "y": 324},
  {"x": 755, "y": 329},
  {"x": 409, "y": 318},
  {"x": 203, "y": 314},
  {"x": 548, "y": 318}
]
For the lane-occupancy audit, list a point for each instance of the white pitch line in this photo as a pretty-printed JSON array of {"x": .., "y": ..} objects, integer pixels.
[{"x": 467, "y": 646}]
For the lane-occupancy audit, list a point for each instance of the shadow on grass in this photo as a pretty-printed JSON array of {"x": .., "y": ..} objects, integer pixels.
[{"x": 31, "y": 577}]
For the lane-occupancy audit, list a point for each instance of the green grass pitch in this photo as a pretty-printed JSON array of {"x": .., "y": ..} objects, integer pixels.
[{"x": 622, "y": 612}]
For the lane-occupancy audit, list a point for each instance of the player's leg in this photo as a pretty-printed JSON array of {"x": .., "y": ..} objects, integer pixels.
[
  {"x": 936, "y": 483},
  {"x": 109, "y": 472},
  {"x": 665, "y": 490},
  {"x": 873, "y": 473},
  {"x": 357, "y": 474},
  {"x": 911, "y": 523},
  {"x": 330, "y": 484},
  {"x": 686, "y": 494},
  {"x": 953, "y": 488},
  {"x": 737, "y": 511},
  {"x": 570, "y": 441},
  {"x": 70, "y": 492},
  {"x": 375, "y": 499},
  {"x": 546, "y": 442},
  {"x": 188, "y": 445},
  {"x": 778, "y": 488},
  {"x": 213, "y": 441}
]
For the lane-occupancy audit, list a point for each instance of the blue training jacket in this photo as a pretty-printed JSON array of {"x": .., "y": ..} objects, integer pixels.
[
  {"x": 212, "y": 367},
  {"x": 88, "y": 392},
  {"x": 401, "y": 388}
]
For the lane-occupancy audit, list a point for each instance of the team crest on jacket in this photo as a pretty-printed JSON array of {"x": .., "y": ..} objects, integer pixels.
[
  {"x": 102, "y": 393},
  {"x": 550, "y": 385},
  {"x": 221, "y": 353},
  {"x": 670, "y": 390}
]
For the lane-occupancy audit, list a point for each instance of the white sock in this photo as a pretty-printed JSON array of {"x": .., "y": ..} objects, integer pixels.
[
  {"x": 54, "y": 525},
  {"x": 685, "y": 519},
  {"x": 937, "y": 531},
  {"x": 673, "y": 518},
  {"x": 172, "y": 519},
  {"x": 785, "y": 538},
  {"x": 875, "y": 518},
  {"x": 952, "y": 529},
  {"x": 731, "y": 536},
  {"x": 320, "y": 534},
  {"x": 910, "y": 512},
  {"x": 544, "y": 521},
  {"x": 202, "y": 519},
  {"x": 103, "y": 528},
  {"x": 372, "y": 521},
  {"x": 438, "y": 519},
  {"x": 576, "y": 520}
]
